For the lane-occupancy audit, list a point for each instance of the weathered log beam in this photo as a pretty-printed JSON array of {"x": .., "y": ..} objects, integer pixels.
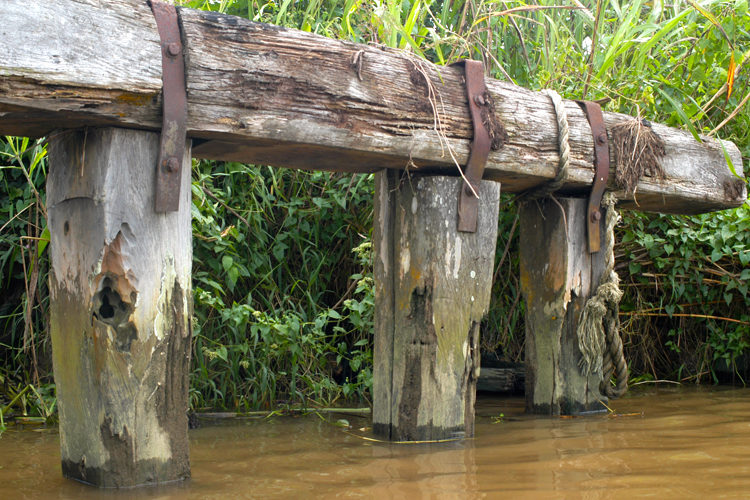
[
  {"x": 509, "y": 379},
  {"x": 264, "y": 94}
]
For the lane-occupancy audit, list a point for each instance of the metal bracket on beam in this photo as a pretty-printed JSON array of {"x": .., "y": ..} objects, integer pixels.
[
  {"x": 174, "y": 99},
  {"x": 601, "y": 164},
  {"x": 468, "y": 201}
]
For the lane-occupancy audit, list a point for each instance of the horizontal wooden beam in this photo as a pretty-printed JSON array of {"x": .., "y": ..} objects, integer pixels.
[{"x": 264, "y": 94}]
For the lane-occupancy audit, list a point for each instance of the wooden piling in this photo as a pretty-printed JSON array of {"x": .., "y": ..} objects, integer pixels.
[
  {"x": 432, "y": 288},
  {"x": 120, "y": 309},
  {"x": 558, "y": 274}
]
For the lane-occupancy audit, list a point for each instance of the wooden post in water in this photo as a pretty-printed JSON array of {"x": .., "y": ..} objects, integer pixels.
[
  {"x": 121, "y": 308},
  {"x": 558, "y": 275},
  {"x": 432, "y": 288}
]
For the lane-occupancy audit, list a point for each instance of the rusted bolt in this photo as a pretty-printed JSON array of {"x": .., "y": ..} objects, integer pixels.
[
  {"x": 596, "y": 216},
  {"x": 171, "y": 164},
  {"x": 173, "y": 49},
  {"x": 601, "y": 138},
  {"x": 479, "y": 100},
  {"x": 468, "y": 190}
]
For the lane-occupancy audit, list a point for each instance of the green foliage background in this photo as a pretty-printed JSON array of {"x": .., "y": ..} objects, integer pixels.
[{"x": 282, "y": 277}]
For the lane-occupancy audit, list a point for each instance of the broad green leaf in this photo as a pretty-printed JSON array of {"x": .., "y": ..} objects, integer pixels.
[
  {"x": 227, "y": 261},
  {"x": 729, "y": 161}
]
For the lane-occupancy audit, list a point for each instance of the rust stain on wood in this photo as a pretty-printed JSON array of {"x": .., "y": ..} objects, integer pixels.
[
  {"x": 554, "y": 276},
  {"x": 134, "y": 99}
]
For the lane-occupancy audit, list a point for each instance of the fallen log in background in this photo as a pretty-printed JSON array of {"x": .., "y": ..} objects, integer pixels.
[
  {"x": 263, "y": 94},
  {"x": 508, "y": 379}
]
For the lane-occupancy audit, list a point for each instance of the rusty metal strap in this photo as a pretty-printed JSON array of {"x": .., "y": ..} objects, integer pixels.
[
  {"x": 468, "y": 201},
  {"x": 601, "y": 164},
  {"x": 174, "y": 99}
]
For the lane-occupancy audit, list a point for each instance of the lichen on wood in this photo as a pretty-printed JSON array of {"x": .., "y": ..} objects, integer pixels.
[
  {"x": 120, "y": 310},
  {"x": 557, "y": 274},
  {"x": 432, "y": 286}
]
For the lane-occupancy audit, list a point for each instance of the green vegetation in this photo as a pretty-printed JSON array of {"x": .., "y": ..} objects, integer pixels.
[
  {"x": 282, "y": 277},
  {"x": 26, "y": 386},
  {"x": 283, "y": 292}
]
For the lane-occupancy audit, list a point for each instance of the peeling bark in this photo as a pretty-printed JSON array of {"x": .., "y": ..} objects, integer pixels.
[
  {"x": 432, "y": 288},
  {"x": 120, "y": 310}
]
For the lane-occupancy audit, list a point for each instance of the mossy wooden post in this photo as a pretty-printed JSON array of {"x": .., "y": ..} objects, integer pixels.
[
  {"x": 558, "y": 274},
  {"x": 432, "y": 288},
  {"x": 120, "y": 309}
]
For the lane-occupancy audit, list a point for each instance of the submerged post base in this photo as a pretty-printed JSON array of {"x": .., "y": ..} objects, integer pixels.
[
  {"x": 558, "y": 275},
  {"x": 120, "y": 309},
  {"x": 432, "y": 289}
]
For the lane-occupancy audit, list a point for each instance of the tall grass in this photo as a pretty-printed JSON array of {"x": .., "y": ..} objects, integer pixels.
[{"x": 25, "y": 356}]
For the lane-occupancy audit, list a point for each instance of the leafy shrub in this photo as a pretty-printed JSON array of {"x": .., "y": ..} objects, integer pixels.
[
  {"x": 283, "y": 305},
  {"x": 687, "y": 290}
]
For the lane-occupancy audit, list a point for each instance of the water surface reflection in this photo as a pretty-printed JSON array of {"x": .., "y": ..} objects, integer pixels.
[{"x": 688, "y": 442}]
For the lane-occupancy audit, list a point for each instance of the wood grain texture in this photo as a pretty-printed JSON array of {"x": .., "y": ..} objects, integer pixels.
[
  {"x": 558, "y": 274},
  {"x": 432, "y": 289},
  {"x": 120, "y": 309},
  {"x": 74, "y": 63},
  {"x": 264, "y": 94},
  {"x": 508, "y": 380}
]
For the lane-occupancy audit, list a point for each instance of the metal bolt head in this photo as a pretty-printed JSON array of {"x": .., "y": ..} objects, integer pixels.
[
  {"x": 601, "y": 138},
  {"x": 479, "y": 100},
  {"x": 468, "y": 190},
  {"x": 596, "y": 216},
  {"x": 171, "y": 164},
  {"x": 173, "y": 49}
]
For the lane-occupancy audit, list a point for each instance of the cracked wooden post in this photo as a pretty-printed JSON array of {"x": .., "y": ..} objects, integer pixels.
[
  {"x": 120, "y": 309},
  {"x": 558, "y": 274},
  {"x": 432, "y": 288}
]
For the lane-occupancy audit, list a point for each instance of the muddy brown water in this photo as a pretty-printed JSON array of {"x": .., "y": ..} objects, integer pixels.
[{"x": 667, "y": 442}]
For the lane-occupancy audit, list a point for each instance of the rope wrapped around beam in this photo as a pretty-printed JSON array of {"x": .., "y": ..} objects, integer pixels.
[{"x": 563, "y": 142}]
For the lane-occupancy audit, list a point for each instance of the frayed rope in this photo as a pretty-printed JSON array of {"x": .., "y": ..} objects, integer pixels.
[{"x": 599, "y": 326}]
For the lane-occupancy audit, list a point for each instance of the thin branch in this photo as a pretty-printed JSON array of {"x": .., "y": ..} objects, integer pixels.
[
  {"x": 685, "y": 315},
  {"x": 594, "y": 40},
  {"x": 731, "y": 116},
  {"x": 507, "y": 247},
  {"x": 221, "y": 202}
]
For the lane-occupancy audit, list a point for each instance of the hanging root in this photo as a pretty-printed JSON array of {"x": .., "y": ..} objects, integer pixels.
[
  {"x": 638, "y": 152},
  {"x": 495, "y": 129}
]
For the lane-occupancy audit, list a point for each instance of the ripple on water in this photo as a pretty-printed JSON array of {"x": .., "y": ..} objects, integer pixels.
[{"x": 670, "y": 443}]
